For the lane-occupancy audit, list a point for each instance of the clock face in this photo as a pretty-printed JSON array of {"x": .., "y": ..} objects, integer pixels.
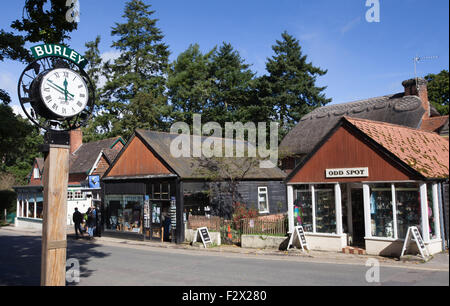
[{"x": 64, "y": 92}]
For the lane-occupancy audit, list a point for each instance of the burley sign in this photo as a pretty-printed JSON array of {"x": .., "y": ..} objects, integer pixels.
[{"x": 60, "y": 51}]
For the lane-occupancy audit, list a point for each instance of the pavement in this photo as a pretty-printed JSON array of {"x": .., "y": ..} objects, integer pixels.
[{"x": 439, "y": 262}]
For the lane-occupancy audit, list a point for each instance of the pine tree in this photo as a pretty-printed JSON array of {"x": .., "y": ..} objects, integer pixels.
[
  {"x": 94, "y": 69},
  {"x": 289, "y": 89},
  {"x": 133, "y": 96},
  {"x": 189, "y": 84},
  {"x": 231, "y": 87}
]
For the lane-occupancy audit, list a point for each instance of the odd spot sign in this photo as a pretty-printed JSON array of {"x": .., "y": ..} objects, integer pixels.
[{"x": 347, "y": 172}]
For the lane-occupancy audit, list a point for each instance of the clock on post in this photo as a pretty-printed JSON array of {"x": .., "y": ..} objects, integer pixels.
[
  {"x": 55, "y": 92},
  {"x": 57, "y": 95}
]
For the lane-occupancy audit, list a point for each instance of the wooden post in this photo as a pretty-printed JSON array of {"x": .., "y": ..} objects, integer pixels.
[{"x": 54, "y": 239}]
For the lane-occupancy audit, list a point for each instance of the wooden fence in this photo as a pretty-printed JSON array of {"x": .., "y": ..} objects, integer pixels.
[{"x": 264, "y": 227}]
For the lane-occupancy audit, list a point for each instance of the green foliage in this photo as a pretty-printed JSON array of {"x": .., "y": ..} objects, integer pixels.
[
  {"x": 438, "y": 91},
  {"x": 47, "y": 26},
  {"x": 19, "y": 144},
  {"x": 289, "y": 91},
  {"x": 8, "y": 200},
  {"x": 133, "y": 96},
  {"x": 216, "y": 84}
]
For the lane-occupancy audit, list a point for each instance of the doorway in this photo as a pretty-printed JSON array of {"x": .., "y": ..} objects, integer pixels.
[{"x": 357, "y": 222}]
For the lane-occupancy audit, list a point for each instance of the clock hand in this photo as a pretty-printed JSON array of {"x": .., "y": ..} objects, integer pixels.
[
  {"x": 59, "y": 90},
  {"x": 65, "y": 89},
  {"x": 62, "y": 89}
]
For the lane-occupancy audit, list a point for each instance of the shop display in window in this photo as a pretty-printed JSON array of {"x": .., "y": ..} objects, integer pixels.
[
  {"x": 381, "y": 212},
  {"x": 325, "y": 210},
  {"x": 408, "y": 208},
  {"x": 303, "y": 210}
]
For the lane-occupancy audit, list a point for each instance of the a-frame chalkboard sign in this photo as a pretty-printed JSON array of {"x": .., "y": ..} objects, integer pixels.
[
  {"x": 300, "y": 233},
  {"x": 204, "y": 235},
  {"x": 414, "y": 235}
]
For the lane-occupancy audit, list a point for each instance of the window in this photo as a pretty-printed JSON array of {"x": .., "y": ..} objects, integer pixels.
[
  {"x": 263, "y": 200},
  {"x": 325, "y": 209},
  {"x": 431, "y": 215},
  {"x": 160, "y": 191},
  {"x": 78, "y": 195},
  {"x": 381, "y": 211},
  {"x": 36, "y": 174},
  {"x": 408, "y": 207},
  {"x": 303, "y": 212},
  {"x": 70, "y": 196},
  {"x": 124, "y": 213}
]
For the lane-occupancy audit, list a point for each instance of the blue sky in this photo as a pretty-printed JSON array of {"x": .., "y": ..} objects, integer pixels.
[{"x": 363, "y": 59}]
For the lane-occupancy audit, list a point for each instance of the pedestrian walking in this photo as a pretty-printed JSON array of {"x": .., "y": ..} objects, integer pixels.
[{"x": 77, "y": 220}]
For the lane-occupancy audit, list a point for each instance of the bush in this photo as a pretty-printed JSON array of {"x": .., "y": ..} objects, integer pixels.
[
  {"x": 7, "y": 200},
  {"x": 240, "y": 211}
]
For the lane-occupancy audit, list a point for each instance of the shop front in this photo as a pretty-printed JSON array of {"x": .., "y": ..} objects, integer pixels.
[
  {"x": 140, "y": 209},
  {"x": 365, "y": 184}
]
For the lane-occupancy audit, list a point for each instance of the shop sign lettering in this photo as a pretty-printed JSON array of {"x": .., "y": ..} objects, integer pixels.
[{"x": 347, "y": 172}]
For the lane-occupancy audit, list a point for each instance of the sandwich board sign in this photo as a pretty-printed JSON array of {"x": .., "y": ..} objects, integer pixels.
[
  {"x": 414, "y": 235},
  {"x": 204, "y": 235},
  {"x": 300, "y": 233}
]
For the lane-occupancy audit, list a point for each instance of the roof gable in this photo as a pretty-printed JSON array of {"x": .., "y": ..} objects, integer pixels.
[
  {"x": 84, "y": 159},
  {"x": 136, "y": 159}
]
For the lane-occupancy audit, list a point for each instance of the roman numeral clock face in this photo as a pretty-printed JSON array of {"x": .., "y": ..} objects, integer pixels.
[{"x": 64, "y": 92}]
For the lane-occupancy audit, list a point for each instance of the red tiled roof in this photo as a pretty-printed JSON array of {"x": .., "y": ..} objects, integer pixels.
[
  {"x": 425, "y": 152},
  {"x": 433, "y": 124}
]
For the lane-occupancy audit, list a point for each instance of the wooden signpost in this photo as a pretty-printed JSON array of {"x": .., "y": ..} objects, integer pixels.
[
  {"x": 54, "y": 236},
  {"x": 414, "y": 235},
  {"x": 204, "y": 235},
  {"x": 300, "y": 233}
]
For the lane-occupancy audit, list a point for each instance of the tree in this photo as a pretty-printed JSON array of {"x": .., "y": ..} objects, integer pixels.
[
  {"x": 289, "y": 90},
  {"x": 138, "y": 73},
  {"x": 438, "y": 91},
  {"x": 19, "y": 144},
  {"x": 231, "y": 87},
  {"x": 94, "y": 70},
  {"x": 189, "y": 84}
]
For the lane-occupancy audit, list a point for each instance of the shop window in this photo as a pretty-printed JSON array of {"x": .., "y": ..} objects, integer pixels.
[
  {"x": 31, "y": 209},
  {"x": 303, "y": 212},
  {"x": 40, "y": 210},
  {"x": 263, "y": 200},
  {"x": 408, "y": 207},
  {"x": 431, "y": 213},
  {"x": 381, "y": 211},
  {"x": 124, "y": 213},
  {"x": 325, "y": 209}
]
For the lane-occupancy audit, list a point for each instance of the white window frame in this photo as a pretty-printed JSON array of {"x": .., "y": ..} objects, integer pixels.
[
  {"x": 36, "y": 173},
  {"x": 263, "y": 190}
]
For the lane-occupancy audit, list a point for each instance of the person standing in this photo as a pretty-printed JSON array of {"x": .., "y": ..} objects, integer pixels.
[
  {"x": 91, "y": 222},
  {"x": 77, "y": 220}
]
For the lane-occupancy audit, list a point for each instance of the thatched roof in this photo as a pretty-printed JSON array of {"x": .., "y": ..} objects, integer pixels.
[{"x": 395, "y": 109}]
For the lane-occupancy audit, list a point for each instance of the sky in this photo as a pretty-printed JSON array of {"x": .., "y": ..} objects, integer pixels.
[{"x": 363, "y": 59}]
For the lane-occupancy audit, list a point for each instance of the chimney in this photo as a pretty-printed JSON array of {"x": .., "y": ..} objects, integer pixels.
[
  {"x": 76, "y": 140},
  {"x": 418, "y": 87}
]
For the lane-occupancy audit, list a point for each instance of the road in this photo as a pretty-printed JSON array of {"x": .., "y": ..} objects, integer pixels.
[{"x": 116, "y": 264}]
